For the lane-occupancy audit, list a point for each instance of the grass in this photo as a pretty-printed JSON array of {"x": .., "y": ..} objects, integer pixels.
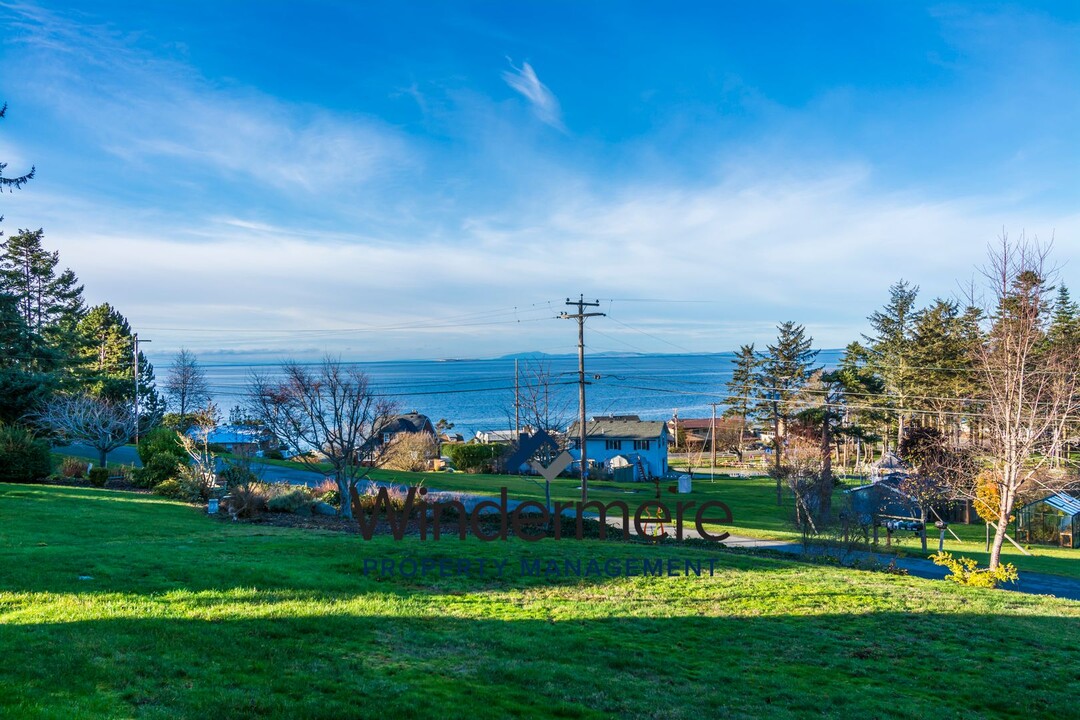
[
  {"x": 188, "y": 616},
  {"x": 752, "y": 500},
  {"x": 753, "y": 507}
]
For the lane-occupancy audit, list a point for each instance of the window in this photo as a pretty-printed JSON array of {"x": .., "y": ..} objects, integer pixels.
[
  {"x": 613, "y": 444},
  {"x": 641, "y": 444}
]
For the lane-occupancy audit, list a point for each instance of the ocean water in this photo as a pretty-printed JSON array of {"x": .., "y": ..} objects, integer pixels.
[{"x": 479, "y": 394}]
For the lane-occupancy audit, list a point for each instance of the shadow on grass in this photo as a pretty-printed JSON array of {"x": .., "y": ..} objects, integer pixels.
[{"x": 344, "y": 665}]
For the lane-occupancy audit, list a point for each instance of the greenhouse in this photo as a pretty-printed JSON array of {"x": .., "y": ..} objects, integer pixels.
[{"x": 1054, "y": 520}]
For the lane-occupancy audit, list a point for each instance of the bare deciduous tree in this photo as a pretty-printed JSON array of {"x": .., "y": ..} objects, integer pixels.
[
  {"x": 103, "y": 424},
  {"x": 1030, "y": 385},
  {"x": 330, "y": 408},
  {"x": 186, "y": 384}
]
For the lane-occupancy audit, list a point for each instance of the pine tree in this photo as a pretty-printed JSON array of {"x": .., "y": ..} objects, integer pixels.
[
  {"x": 1065, "y": 321},
  {"x": 782, "y": 373},
  {"x": 106, "y": 367},
  {"x": 12, "y": 182},
  {"x": 22, "y": 386},
  {"x": 942, "y": 363},
  {"x": 860, "y": 398},
  {"x": 50, "y": 304},
  {"x": 742, "y": 390},
  {"x": 1063, "y": 336},
  {"x": 892, "y": 346}
]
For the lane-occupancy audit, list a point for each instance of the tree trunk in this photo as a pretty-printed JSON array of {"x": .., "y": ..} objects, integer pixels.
[
  {"x": 344, "y": 491},
  {"x": 999, "y": 539},
  {"x": 825, "y": 487},
  {"x": 922, "y": 531},
  {"x": 776, "y": 453},
  {"x": 103, "y": 457}
]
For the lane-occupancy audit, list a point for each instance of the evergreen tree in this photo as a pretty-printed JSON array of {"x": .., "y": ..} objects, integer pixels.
[
  {"x": 1063, "y": 336},
  {"x": 782, "y": 373},
  {"x": 892, "y": 346},
  {"x": 49, "y": 304},
  {"x": 106, "y": 367},
  {"x": 12, "y": 182},
  {"x": 860, "y": 399},
  {"x": 742, "y": 388},
  {"x": 1065, "y": 321},
  {"x": 742, "y": 391},
  {"x": 942, "y": 363},
  {"x": 21, "y": 385}
]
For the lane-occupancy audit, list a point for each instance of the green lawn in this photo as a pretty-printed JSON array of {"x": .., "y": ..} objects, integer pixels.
[
  {"x": 753, "y": 506},
  {"x": 188, "y": 616}
]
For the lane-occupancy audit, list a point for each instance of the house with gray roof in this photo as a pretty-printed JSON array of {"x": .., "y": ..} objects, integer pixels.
[{"x": 616, "y": 441}]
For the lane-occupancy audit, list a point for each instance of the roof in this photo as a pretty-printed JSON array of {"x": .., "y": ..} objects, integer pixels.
[
  {"x": 412, "y": 422},
  {"x": 620, "y": 428},
  {"x": 497, "y": 435},
  {"x": 697, "y": 423},
  {"x": 1060, "y": 501},
  {"x": 889, "y": 461}
]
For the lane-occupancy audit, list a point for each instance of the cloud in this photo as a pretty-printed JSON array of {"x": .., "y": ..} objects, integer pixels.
[
  {"x": 150, "y": 111},
  {"x": 750, "y": 253},
  {"x": 544, "y": 103}
]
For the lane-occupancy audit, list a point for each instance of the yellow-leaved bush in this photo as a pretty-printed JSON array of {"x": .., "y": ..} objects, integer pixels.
[{"x": 965, "y": 571}]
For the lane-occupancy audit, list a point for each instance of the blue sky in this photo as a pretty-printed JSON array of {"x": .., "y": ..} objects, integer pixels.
[{"x": 391, "y": 180}]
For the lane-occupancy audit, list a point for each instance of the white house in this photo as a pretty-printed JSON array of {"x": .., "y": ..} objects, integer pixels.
[{"x": 616, "y": 441}]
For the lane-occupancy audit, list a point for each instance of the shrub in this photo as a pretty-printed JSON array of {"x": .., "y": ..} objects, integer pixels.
[
  {"x": 161, "y": 467},
  {"x": 327, "y": 491},
  {"x": 23, "y": 457},
  {"x": 161, "y": 441},
  {"x": 185, "y": 486},
  {"x": 296, "y": 500},
  {"x": 247, "y": 500},
  {"x": 124, "y": 472},
  {"x": 395, "y": 494},
  {"x": 198, "y": 481},
  {"x": 476, "y": 457},
  {"x": 171, "y": 488},
  {"x": 965, "y": 571},
  {"x": 99, "y": 476},
  {"x": 273, "y": 455},
  {"x": 238, "y": 475},
  {"x": 71, "y": 467}
]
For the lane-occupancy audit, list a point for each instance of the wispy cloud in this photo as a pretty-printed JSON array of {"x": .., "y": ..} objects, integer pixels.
[
  {"x": 145, "y": 109},
  {"x": 544, "y": 103}
]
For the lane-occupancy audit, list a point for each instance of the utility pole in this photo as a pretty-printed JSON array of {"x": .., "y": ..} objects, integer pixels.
[
  {"x": 581, "y": 316},
  {"x": 517, "y": 404},
  {"x": 135, "y": 344},
  {"x": 712, "y": 437}
]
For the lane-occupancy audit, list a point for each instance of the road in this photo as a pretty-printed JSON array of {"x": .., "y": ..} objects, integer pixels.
[{"x": 128, "y": 455}]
